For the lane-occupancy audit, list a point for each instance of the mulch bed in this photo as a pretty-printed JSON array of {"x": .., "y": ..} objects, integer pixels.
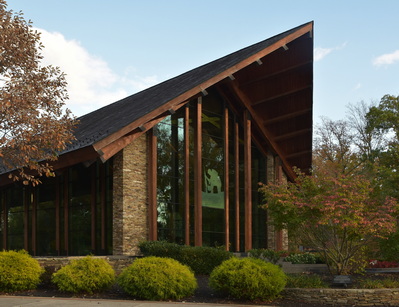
[{"x": 203, "y": 294}]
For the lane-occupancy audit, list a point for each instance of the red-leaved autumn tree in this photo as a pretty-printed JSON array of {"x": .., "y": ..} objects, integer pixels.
[
  {"x": 33, "y": 124},
  {"x": 336, "y": 214}
]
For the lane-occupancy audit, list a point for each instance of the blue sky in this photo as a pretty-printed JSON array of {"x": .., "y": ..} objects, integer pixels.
[{"x": 111, "y": 49}]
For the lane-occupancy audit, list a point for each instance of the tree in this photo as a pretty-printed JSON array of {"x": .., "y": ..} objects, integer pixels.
[
  {"x": 34, "y": 126},
  {"x": 383, "y": 121},
  {"x": 336, "y": 214}
]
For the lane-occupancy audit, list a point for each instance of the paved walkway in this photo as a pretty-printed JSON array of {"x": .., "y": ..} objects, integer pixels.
[{"x": 22, "y": 301}]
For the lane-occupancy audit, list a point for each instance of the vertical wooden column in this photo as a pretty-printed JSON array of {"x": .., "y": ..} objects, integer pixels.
[
  {"x": 198, "y": 175},
  {"x": 247, "y": 181},
  {"x": 33, "y": 202},
  {"x": 226, "y": 179},
  {"x": 279, "y": 180},
  {"x": 5, "y": 221},
  {"x": 93, "y": 204},
  {"x": 57, "y": 214},
  {"x": 66, "y": 215},
  {"x": 237, "y": 183},
  {"x": 187, "y": 175},
  {"x": 27, "y": 200},
  {"x": 152, "y": 185},
  {"x": 103, "y": 203}
]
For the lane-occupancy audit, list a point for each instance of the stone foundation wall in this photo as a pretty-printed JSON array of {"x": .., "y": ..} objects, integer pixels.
[
  {"x": 130, "y": 215},
  {"x": 345, "y": 297},
  {"x": 53, "y": 264}
]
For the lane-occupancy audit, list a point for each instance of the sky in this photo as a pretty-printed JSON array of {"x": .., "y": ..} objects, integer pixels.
[{"x": 112, "y": 49}]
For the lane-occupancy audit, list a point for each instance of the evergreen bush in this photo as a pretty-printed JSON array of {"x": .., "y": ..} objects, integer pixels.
[
  {"x": 266, "y": 254},
  {"x": 18, "y": 271},
  {"x": 201, "y": 259},
  {"x": 87, "y": 274},
  {"x": 156, "y": 278},
  {"x": 305, "y": 281},
  {"x": 248, "y": 278},
  {"x": 302, "y": 258}
]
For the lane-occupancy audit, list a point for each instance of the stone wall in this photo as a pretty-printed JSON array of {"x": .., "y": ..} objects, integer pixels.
[
  {"x": 130, "y": 215},
  {"x": 345, "y": 297},
  {"x": 54, "y": 263}
]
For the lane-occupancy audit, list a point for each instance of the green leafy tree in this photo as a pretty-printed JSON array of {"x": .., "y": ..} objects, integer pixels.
[
  {"x": 33, "y": 123},
  {"x": 336, "y": 214},
  {"x": 383, "y": 121}
]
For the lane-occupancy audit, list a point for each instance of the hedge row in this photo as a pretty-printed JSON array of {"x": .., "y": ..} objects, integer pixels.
[{"x": 150, "y": 278}]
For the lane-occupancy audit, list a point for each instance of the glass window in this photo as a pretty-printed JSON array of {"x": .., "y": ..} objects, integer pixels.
[
  {"x": 79, "y": 211},
  {"x": 45, "y": 218},
  {"x": 15, "y": 217}
]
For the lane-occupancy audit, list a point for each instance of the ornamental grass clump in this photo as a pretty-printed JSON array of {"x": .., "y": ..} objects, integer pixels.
[
  {"x": 87, "y": 275},
  {"x": 248, "y": 278},
  {"x": 18, "y": 271},
  {"x": 155, "y": 278}
]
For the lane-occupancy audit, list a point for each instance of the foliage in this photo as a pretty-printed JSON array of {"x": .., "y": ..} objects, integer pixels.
[
  {"x": 335, "y": 214},
  {"x": 389, "y": 247},
  {"x": 33, "y": 124},
  {"x": 379, "y": 264},
  {"x": 86, "y": 274},
  {"x": 201, "y": 259},
  {"x": 305, "y": 281},
  {"x": 155, "y": 278},
  {"x": 368, "y": 283},
  {"x": 18, "y": 271},
  {"x": 248, "y": 278},
  {"x": 269, "y": 255},
  {"x": 305, "y": 258}
]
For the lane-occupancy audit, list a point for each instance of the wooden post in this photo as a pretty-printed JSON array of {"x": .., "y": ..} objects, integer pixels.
[
  {"x": 198, "y": 175},
  {"x": 152, "y": 185},
  {"x": 226, "y": 179},
  {"x": 247, "y": 181},
  {"x": 279, "y": 179},
  {"x": 237, "y": 183},
  {"x": 187, "y": 175}
]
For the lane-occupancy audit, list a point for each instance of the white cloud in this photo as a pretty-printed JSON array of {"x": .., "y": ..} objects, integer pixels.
[
  {"x": 357, "y": 86},
  {"x": 320, "y": 53},
  {"x": 91, "y": 82},
  {"x": 386, "y": 59}
]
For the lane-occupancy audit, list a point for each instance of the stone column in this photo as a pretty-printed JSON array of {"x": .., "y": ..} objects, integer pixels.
[{"x": 130, "y": 215}]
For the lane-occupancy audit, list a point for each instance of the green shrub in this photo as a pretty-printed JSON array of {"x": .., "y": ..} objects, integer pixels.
[
  {"x": 87, "y": 274},
  {"x": 368, "y": 283},
  {"x": 18, "y": 271},
  {"x": 161, "y": 249},
  {"x": 301, "y": 258},
  {"x": 266, "y": 254},
  {"x": 155, "y": 278},
  {"x": 201, "y": 259},
  {"x": 248, "y": 278},
  {"x": 305, "y": 281}
]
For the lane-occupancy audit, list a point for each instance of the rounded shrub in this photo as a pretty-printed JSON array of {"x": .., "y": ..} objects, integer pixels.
[
  {"x": 248, "y": 278},
  {"x": 156, "y": 278},
  {"x": 18, "y": 271},
  {"x": 87, "y": 274}
]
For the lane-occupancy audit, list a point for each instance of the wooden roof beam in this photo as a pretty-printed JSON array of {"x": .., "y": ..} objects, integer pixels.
[
  {"x": 275, "y": 73},
  {"x": 298, "y": 154},
  {"x": 292, "y": 135},
  {"x": 287, "y": 116},
  {"x": 269, "y": 99}
]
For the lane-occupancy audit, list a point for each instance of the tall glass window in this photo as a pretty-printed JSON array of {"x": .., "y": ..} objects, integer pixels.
[
  {"x": 45, "y": 218},
  {"x": 15, "y": 217},
  {"x": 213, "y": 191},
  {"x": 170, "y": 181},
  {"x": 79, "y": 211}
]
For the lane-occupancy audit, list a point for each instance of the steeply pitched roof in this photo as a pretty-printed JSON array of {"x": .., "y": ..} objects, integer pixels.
[{"x": 98, "y": 130}]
